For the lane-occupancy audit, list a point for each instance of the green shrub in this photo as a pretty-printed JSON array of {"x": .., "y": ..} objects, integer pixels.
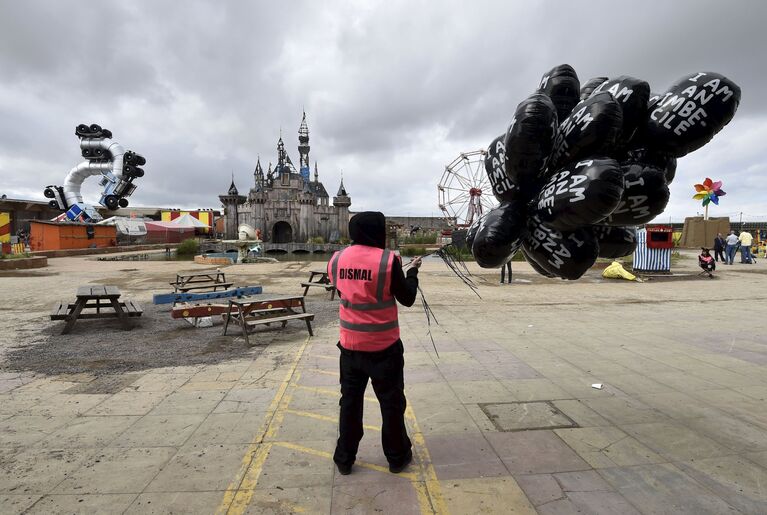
[
  {"x": 344, "y": 241},
  {"x": 317, "y": 240},
  {"x": 413, "y": 251},
  {"x": 190, "y": 247},
  {"x": 420, "y": 238}
]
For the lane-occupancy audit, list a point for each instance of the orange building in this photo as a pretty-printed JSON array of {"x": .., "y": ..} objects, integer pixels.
[{"x": 59, "y": 236}]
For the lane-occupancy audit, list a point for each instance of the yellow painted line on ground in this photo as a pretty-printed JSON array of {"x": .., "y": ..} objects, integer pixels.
[
  {"x": 325, "y": 372},
  {"x": 257, "y": 452},
  {"x": 326, "y": 418},
  {"x": 429, "y": 492},
  {"x": 334, "y": 358},
  {"x": 410, "y": 476},
  {"x": 328, "y": 392}
]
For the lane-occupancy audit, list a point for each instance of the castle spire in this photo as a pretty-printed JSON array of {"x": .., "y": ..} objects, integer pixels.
[{"x": 316, "y": 173}]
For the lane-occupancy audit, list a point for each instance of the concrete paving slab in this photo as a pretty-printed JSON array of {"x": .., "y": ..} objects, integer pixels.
[
  {"x": 65, "y": 405},
  {"x": 91, "y": 432},
  {"x": 664, "y": 489},
  {"x": 245, "y": 399},
  {"x": 581, "y": 414},
  {"x": 607, "y": 447},
  {"x": 679, "y": 405},
  {"x": 194, "y": 469},
  {"x": 519, "y": 416},
  {"x": 82, "y": 503},
  {"x": 675, "y": 441},
  {"x": 23, "y": 430},
  {"x": 301, "y": 426},
  {"x": 601, "y": 503},
  {"x": 116, "y": 470},
  {"x": 486, "y": 495},
  {"x": 463, "y": 457},
  {"x": 444, "y": 419},
  {"x": 473, "y": 392},
  {"x": 174, "y": 502},
  {"x": 288, "y": 467},
  {"x": 38, "y": 471},
  {"x": 625, "y": 410},
  {"x": 180, "y": 403},
  {"x": 540, "y": 488},
  {"x": 539, "y": 389},
  {"x": 535, "y": 452},
  {"x": 17, "y": 503},
  {"x": 159, "y": 431},
  {"x": 128, "y": 403},
  {"x": 734, "y": 478},
  {"x": 273, "y": 501},
  {"x": 226, "y": 428},
  {"x": 364, "y": 498}
]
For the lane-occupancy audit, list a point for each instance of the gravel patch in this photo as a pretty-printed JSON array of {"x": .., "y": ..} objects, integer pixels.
[{"x": 100, "y": 347}]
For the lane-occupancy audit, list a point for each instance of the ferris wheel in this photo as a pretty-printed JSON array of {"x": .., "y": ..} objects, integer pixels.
[{"x": 464, "y": 191}]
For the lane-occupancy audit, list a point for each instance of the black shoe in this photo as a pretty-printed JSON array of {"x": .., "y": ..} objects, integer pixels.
[
  {"x": 345, "y": 470},
  {"x": 396, "y": 469}
]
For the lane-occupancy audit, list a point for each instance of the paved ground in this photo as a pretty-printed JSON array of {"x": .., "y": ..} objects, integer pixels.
[{"x": 504, "y": 421}]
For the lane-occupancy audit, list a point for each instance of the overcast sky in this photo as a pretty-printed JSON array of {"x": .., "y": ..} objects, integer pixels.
[{"x": 393, "y": 90}]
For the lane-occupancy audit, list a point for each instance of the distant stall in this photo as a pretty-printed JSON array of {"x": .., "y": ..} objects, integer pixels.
[
  {"x": 60, "y": 236},
  {"x": 203, "y": 216},
  {"x": 653, "y": 251},
  {"x": 167, "y": 232}
]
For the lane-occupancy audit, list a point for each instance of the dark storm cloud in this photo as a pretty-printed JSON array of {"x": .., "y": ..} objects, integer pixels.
[{"x": 393, "y": 90}]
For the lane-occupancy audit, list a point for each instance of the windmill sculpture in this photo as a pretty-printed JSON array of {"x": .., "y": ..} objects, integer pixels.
[{"x": 708, "y": 192}]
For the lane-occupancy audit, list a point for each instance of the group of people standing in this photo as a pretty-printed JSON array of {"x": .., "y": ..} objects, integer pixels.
[{"x": 726, "y": 248}]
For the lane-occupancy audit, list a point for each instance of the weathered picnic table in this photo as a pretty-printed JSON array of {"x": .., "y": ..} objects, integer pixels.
[
  {"x": 206, "y": 281},
  {"x": 105, "y": 301},
  {"x": 249, "y": 312},
  {"x": 322, "y": 281}
]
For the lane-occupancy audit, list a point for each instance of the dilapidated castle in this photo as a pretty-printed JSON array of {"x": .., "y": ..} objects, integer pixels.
[{"x": 285, "y": 204}]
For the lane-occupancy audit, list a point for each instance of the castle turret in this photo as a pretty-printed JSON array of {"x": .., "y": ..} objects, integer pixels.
[
  {"x": 231, "y": 200},
  {"x": 342, "y": 201},
  {"x": 258, "y": 175},
  {"x": 303, "y": 149}
]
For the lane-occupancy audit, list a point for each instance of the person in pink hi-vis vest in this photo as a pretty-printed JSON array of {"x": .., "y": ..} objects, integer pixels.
[{"x": 370, "y": 282}]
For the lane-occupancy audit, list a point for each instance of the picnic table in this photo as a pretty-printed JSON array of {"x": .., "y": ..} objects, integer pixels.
[
  {"x": 103, "y": 299},
  {"x": 249, "y": 312},
  {"x": 207, "y": 281},
  {"x": 322, "y": 282}
]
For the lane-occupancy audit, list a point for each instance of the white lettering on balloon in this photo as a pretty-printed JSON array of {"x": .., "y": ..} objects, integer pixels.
[{"x": 679, "y": 112}]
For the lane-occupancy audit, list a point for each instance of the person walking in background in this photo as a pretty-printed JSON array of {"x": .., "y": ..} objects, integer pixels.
[
  {"x": 719, "y": 245},
  {"x": 745, "y": 240},
  {"x": 503, "y": 271},
  {"x": 732, "y": 243}
]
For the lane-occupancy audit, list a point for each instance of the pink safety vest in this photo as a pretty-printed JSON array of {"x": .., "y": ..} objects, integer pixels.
[{"x": 368, "y": 310}]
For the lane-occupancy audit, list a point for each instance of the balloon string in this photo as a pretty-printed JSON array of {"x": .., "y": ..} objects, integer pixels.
[{"x": 429, "y": 316}]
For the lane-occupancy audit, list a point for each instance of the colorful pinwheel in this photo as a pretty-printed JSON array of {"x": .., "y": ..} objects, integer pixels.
[{"x": 709, "y": 191}]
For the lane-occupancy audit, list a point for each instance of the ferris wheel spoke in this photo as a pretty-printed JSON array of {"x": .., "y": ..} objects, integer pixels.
[{"x": 464, "y": 182}]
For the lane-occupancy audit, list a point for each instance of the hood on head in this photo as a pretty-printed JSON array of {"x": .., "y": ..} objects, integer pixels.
[{"x": 368, "y": 228}]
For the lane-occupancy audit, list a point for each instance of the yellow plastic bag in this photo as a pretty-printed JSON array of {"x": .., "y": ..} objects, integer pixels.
[{"x": 616, "y": 271}]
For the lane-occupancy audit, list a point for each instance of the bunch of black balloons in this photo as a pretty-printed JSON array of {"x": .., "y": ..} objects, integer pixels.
[{"x": 580, "y": 167}]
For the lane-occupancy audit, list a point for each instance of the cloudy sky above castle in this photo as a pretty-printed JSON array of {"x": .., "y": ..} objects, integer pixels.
[{"x": 393, "y": 90}]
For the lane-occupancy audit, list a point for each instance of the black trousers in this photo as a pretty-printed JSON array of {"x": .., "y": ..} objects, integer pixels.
[
  {"x": 385, "y": 371},
  {"x": 719, "y": 254},
  {"x": 503, "y": 271}
]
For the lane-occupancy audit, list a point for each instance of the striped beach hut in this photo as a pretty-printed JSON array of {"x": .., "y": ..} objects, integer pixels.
[{"x": 647, "y": 259}]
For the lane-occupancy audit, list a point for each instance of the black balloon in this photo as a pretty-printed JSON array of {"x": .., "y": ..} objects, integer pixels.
[
  {"x": 591, "y": 129},
  {"x": 615, "y": 242},
  {"x": 691, "y": 112},
  {"x": 471, "y": 232},
  {"x": 588, "y": 88},
  {"x": 561, "y": 84},
  {"x": 665, "y": 162},
  {"x": 499, "y": 234},
  {"x": 529, "y": 140},
  {"x": 495, "y": 167},
  {"x": 633, "y": 95},
  {"x": 535, "y": 266},
  {"x": 645, "y": 195},
  {"x": 584, "y": 193},
  {"x": 564, "y": 254}
]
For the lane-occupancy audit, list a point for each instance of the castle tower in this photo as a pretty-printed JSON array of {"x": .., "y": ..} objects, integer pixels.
[
  {"x": 316, "y": 173},
  {"x": 258, "y": 175},
  {"x": 231, "y": 201},
  {"x": 303, "y": 149},
  {"x": 342, "y": 201}
]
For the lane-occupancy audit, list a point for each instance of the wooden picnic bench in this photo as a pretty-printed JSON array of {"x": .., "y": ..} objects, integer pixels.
[
  {"x": 250, "y": 312},
  {"x": 322, "y": 282},
  {"x": 205, "y": 281},
  {"x": 103, "y": 299}
]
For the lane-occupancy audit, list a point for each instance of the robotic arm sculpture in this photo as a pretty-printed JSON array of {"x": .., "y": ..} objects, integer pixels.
[{"x": 106, "y": 158}]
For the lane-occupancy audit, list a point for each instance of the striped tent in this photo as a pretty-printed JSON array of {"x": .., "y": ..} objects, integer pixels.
[{"x": 650, "y": 260}]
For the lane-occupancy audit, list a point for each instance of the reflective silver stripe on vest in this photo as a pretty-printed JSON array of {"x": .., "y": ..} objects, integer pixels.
[
  {"x": 382, "y": 272},
  {"x": 368, "y": 307},
  {"x": 334, "y": 267},
  {"x": 370, "y": 328}
]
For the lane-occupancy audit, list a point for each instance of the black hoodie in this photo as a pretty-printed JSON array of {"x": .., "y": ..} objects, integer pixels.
[{"x": 369, "y": 228}]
